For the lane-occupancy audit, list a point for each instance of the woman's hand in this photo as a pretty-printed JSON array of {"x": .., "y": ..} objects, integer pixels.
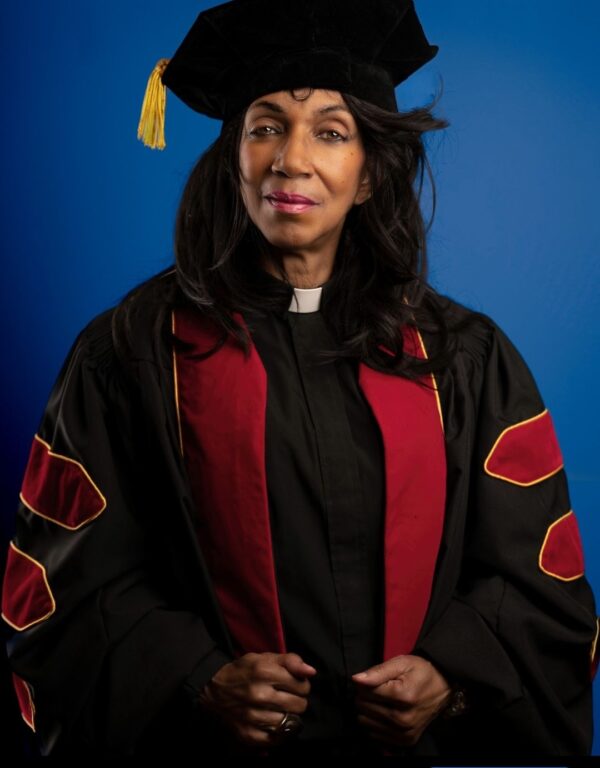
[
  {"x": 398, "y": 699},
  {"x": 255, "y": 691}
]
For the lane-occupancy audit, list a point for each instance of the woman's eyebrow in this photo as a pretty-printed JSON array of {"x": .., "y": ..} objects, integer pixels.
[{"x": 274, "y": 107}]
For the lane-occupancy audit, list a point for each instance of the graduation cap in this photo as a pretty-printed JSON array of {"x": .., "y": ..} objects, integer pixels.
[{"x": 243, "y": 49}]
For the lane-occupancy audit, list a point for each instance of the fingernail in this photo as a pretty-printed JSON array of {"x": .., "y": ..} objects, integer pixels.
[{"x": 360, "y": 674}]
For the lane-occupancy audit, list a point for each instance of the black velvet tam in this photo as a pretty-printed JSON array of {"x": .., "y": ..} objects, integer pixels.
[{"x": 243, "y": 49}]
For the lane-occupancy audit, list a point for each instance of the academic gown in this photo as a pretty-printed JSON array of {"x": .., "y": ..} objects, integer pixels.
[{"x": 162, "y": 524}]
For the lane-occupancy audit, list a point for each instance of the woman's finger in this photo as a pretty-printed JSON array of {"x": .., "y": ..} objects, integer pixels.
[
  {"x": 264, "y": 718},
  {"x": 268, "y": 668},
  {"x": 393, "y": 692},
  {"x": 279, "y": 701}
]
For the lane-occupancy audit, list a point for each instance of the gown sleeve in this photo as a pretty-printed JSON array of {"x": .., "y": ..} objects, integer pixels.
[
  {"x": 520, "y": 631},
  {"x": 100, "y": 647}
]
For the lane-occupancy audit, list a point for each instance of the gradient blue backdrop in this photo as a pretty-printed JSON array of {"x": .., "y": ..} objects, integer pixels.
[{"x": 88, "y": 211}]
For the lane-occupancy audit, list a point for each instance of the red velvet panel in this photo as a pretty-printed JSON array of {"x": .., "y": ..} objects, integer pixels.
[
  {"x": 25, "y": 701},
  {"x": 526, "y": 453},
  {"x": 26, "y": 595},
  {"x": 222, "y": 405},
  {"x": 59, "y": 489},
  {"x": 561, "y": 554},
  {"x": 415, "y": 464}
]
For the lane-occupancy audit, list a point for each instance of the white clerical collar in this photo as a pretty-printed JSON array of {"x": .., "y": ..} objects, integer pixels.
[{"x": 306, "y": 299}]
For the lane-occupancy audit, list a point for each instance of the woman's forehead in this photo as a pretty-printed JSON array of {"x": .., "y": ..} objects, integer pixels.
[{"x": 318, "y": 98}]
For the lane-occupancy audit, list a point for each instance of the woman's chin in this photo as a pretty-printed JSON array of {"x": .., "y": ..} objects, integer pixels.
[
  {"x": 295, "y": 237},
  {"x": 286, "y": 243}
]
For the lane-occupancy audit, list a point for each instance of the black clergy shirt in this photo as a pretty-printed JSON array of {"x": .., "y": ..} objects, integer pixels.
[{"x": 325, "y": 479}]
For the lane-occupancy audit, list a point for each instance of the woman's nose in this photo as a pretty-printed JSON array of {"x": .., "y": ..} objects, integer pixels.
[{"x": 292, "y": 156}]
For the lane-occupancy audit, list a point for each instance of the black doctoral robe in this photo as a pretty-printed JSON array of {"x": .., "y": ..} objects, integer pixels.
[{"x": 121, "y": 603}]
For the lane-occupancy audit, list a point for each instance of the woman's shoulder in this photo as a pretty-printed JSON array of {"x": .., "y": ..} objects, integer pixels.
[
  {"x": 470, "y": 331},
  {"x": 486, "y": 359},
  {"x": 93, "y": 343},
  {"x": 478, "y": 339},
  {"x": 128, "y": 330}
]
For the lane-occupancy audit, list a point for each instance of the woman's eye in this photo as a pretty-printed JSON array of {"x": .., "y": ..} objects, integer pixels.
[
  {"x": 268, "y": 130},
  {"x": 262, "y": 128},
  {"x": 338, "y": 134}
]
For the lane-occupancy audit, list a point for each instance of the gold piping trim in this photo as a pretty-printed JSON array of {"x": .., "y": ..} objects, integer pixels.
[
  {"x": 499, "y": 438},
  {"x": 595, "y": 640},
  {"x": 85, "y": 472},
  {"x": 555, "y": 575},
  {"x": 435, "y": 386},
  {"x": 37, "y": 621},
  {"x": 176, "y": 386}
]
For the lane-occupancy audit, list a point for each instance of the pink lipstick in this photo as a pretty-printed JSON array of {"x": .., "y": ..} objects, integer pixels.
[{"x": 289, "y": 203}]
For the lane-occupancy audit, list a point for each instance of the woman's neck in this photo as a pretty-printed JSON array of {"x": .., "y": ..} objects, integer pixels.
[{"x": 301, "y": 273}]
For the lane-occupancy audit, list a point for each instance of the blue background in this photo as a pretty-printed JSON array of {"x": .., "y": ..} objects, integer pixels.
[{"x": 88, "y": 211}]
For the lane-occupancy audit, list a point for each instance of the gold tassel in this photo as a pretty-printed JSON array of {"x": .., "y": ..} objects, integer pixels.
[{"x": 151, "y": 128}]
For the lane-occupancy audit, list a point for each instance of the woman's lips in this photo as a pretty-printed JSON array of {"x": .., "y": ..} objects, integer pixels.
[
  {"x": 289, "y": 197},
  {"x": 280, "y": 205}
]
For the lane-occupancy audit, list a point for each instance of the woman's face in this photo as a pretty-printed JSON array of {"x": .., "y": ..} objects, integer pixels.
[{"x": 310, "y": 147}]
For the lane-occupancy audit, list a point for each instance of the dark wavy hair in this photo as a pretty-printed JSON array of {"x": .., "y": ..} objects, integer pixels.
[{"x": 380, "y": 267}]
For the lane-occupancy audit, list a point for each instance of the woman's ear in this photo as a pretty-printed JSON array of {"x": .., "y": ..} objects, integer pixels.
[{"x": 364, "y": 190}]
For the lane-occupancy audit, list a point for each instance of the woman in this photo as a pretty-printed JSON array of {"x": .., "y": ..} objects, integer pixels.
[{"x": 287, "y": 460}]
